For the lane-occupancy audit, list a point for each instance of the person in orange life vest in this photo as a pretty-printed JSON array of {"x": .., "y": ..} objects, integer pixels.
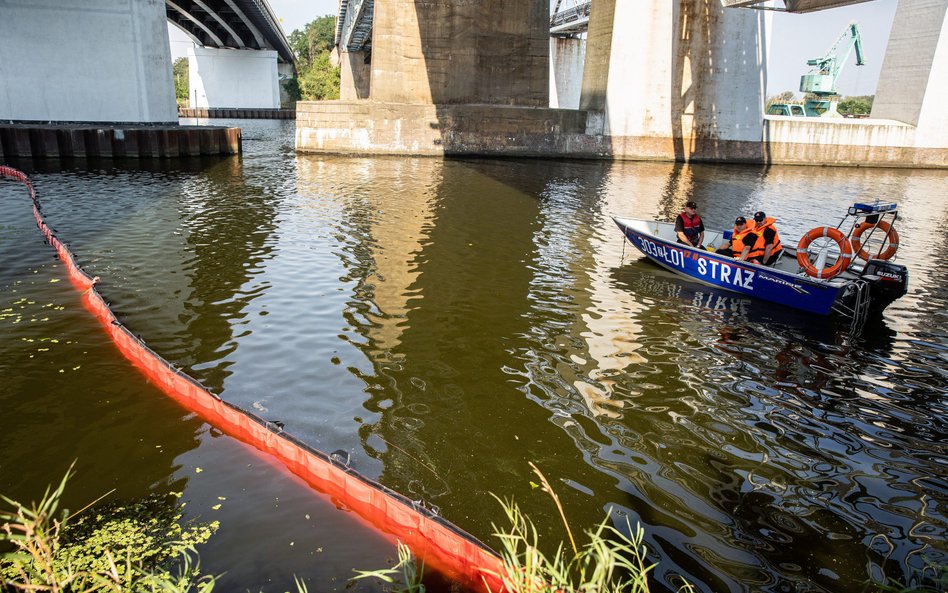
[
  {"x": 689, "y": 227},
  {"x": 768, "y": 234},
  {"x": 746, "y": 244}
]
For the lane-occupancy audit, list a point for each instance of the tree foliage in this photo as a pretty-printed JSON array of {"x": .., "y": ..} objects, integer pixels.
[
  {"x": 860, "y": 105},
  {"x": 784, "y": 97},
  {"x": 317, "y": 78},
  {"x": 180, "y": 72}
]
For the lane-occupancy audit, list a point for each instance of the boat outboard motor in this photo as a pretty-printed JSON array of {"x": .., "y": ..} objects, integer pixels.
[{"x": 887, "y": 282}]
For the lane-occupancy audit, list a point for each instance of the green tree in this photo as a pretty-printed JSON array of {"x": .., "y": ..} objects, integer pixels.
[
  {"x": 784, "y": 97},
  {"x": 316, "y": 38},
  {"x": 317, "y": 79},
  {"x": 321, "y": 81},
  {"x": 180, "y": 72},
  {"x": 860, "y": 105}
]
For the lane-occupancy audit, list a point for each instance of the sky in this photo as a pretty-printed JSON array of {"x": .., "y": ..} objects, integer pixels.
[{"x": 796, "y": 38}]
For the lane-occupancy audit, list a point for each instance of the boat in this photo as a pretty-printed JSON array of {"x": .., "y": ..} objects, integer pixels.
[{"x": 832, "y": 269}]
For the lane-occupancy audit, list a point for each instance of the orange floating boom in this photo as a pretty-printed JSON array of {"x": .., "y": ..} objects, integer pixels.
[{"x": 437, "y": 542}]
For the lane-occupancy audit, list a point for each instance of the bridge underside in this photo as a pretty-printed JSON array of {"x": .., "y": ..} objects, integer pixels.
[
  {"x": 797, "y": 6},
  {"x": 230, "y": 24}
]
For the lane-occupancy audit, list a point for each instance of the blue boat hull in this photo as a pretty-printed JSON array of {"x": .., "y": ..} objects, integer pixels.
[{"x": 727, "y": 273}]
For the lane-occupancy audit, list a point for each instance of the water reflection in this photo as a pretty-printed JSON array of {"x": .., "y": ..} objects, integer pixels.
[{"x": 449, "y": 321}]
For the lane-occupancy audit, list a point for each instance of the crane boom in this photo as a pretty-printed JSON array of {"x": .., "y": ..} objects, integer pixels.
[{"x": 821, "y": 80}]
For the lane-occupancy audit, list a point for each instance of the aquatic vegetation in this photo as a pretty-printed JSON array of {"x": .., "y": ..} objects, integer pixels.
[
  {"x": 114, "y": 547},
  {"x": 405, "y": 576},
  {"x": 609, "y": 562}
]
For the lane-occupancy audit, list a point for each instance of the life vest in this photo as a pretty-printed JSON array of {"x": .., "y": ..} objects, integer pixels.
[
  {"x": 692, "y": 226},
  {"x": 750, "y": 232},
  {"x": 769, "y": 222}
]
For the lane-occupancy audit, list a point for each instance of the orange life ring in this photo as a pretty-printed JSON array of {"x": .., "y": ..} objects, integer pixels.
[
  {"x": 890, "y": 235},
  {"x": 845, "y": 252}
]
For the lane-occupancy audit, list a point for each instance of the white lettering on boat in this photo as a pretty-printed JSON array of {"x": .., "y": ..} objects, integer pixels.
[{"x": 719, "y": 271}]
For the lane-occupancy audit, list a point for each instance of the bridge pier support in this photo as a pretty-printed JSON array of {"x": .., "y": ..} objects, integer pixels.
[
  {"x": 914, "y": 79},
  {"x": 356, "y": 74},
  {"x": 677, "y": 80},
  {"x": 567, "y": 55},
  {"x": 95, "y": 61},
  {"x": 233, "y": 78}
]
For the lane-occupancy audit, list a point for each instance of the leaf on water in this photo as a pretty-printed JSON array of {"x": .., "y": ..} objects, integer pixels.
[
  {"x": 216, "y": 507},
  {"x": 54, "y": 280},
  {"x": 198, "y": 470}
]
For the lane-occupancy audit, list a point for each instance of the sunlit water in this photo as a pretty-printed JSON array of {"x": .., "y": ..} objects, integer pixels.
[{"x": 447, "y": 322}]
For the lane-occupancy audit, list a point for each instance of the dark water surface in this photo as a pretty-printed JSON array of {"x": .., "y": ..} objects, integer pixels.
[{"x": 447, "y": 322}]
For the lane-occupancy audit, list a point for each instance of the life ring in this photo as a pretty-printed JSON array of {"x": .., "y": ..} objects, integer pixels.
[
  {"x": 890, "y": 235},
  {"x": 845, "y": 252}
]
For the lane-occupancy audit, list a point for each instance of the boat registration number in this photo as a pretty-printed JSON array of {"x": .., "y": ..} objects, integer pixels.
[{"x": 707, "y": 268}]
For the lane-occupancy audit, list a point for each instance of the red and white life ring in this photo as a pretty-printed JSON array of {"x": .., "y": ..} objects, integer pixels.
[
  {"x": 891, "y": 237},
  {"x": 845, "y": 252}
]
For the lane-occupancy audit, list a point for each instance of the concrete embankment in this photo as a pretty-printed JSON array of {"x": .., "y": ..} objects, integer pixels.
[
  {"x": 115, "y": 141},
  {"x": 234, "y": 113},
  {"x": 368, "y": 127}
]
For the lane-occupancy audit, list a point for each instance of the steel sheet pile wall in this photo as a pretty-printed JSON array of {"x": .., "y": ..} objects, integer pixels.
[{"x": 437, "y": 542}]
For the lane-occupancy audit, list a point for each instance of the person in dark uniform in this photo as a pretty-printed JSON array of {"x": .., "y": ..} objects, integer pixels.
[
  {"x": 771, "y": 240},
  {"x": 745, "y": 244},
  {"x": 688, "y": 226}
]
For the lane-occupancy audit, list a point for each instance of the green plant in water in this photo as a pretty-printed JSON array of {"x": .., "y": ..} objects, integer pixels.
[
  {"x": 932, "y": 579},
  {"x": 610, "y": 561},
  {"x": 405, "y": 576},
  {"x": 121, "y": 548}
]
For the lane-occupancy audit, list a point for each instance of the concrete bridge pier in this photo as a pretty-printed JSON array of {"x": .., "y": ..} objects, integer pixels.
[
  {"x": 913, "y": 83},
  {"x": 567, "y": 55},
  {"x": 677, "y": 80},
  {"x": 467, "y": 77},
  {"x": 233, "y": 78},
  {"x": 86, "y": 61}
]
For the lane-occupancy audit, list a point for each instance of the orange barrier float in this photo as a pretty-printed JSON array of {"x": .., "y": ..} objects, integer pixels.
[{"x": 432, "y": 539}]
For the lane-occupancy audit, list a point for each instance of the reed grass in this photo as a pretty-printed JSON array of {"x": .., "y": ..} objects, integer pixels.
[{"x": 113, "y": 552}]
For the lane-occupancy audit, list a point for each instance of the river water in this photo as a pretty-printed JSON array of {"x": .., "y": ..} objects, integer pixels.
[{"x": 446, "y": 322}]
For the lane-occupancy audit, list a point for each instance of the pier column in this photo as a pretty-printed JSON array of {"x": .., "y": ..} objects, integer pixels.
[
  {"x": 914, "y": 79},
  {"x": 447, "y": 52},
  {"x": 86, "y": 61},
  {"x": 233, "y": 78},
  {"x": 567, "y": 55},
  {"x": 355, "y": 74},
  {"x": 682, "y": 79}
]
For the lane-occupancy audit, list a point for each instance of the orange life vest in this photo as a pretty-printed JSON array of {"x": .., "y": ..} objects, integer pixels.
[
  {"x": 769, "y": 222},
  {"x": 757, "y": 244}
]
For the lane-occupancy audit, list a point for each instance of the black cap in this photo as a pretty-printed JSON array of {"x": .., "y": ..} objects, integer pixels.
[
  {"x": 740, "y": 220},
  {"x": 759, "y": 216},
  {"x": 690, "y": 205}
]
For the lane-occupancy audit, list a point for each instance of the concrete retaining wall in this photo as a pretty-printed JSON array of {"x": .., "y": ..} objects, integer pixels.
[
  {"x": 368, "y": 127},
  {"x": 51, "y": 141}
]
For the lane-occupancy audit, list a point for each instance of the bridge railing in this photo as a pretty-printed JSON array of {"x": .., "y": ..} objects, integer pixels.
[{"x": 576, "y": 13}]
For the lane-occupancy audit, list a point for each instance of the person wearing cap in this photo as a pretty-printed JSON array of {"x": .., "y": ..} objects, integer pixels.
[
  {"x": 745, "y": 245},
  {"x": 688, "y": 226},
  {"x": 768, "y": 235}
]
